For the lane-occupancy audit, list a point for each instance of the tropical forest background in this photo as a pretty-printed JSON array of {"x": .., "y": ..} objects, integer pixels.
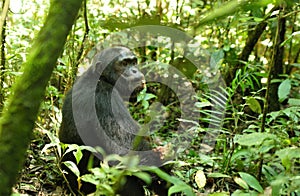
[{"x": 252, "y": 46}]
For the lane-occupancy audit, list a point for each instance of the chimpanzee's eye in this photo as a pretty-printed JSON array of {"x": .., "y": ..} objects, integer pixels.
[
  {"x": 124, "y": 63},
  {"x": 127, "y": 61}
]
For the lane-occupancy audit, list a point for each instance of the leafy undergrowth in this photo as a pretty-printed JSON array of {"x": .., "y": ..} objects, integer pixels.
[
  {"x": 40, "y": 175},
  {"x": 242, "y": 160}
]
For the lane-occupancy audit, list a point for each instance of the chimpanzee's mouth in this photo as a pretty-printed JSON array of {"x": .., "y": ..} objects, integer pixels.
[{"x": 139, "y": 87}]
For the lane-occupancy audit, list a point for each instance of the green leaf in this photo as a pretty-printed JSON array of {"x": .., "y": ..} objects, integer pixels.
[
  {"x": 253, "y": 104},
  {"x": 149, "y": 96},
  {"x": 89, "y": 148},
  {"x": 244, "y": 193},
  {"x": 291, "y": 152},
  {"x": 90, "y": 178},
  {"x": 251, "y": 181},
  {"x": 180, "y": 188},
  {"x": 278, "y": 183},
  {"x": 284, "y": 90},
  {"x": 73, "y": 167},
  {"x": 78, "y": 155},
  {"x": 216, "y": 58},
  {"x": 218, "y": 175},
  {"x": 178, "y": 184},
  {"x": 286, "y": 155},
  {"x": 241, "y": 182},
  {"x": 254, "y": 139},
  {"x": 143, "y": 176},
  {"x": 294, "y": 102},
  {"x": 98, "y": 173}
]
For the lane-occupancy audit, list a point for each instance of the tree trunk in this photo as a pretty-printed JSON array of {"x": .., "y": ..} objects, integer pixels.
[
  {"x": 251, "y": 41},
  {"x": 5, "y": 9},
  {"x": 20, "y": 113},
  {"x": 277, "y": 64}
]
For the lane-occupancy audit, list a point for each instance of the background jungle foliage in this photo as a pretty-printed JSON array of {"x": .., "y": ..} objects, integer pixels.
[{"x": 254, "y": 44}]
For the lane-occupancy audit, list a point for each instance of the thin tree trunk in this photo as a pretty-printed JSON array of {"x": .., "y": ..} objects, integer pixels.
[
  {"x": 277, "y": 64},
  {"x": 5, "y": 9},
  {"x": 20, "y": 113},
  {"x": 251, "y": 41}
]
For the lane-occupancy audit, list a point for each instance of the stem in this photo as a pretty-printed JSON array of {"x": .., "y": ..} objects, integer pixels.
[{"x": 267, "y": 95}]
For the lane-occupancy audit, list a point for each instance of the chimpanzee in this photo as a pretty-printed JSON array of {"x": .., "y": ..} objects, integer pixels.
[{"x": 94, "y": 114}]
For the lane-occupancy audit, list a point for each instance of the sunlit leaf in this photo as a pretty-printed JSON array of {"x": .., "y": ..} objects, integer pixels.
[
  {"x": 284, "y": 90},
  {"x": 218, "y": 175},
  {"x": 253, "y": 104},
  {"x": 143, "y": 176},
  {"x": 200, "y": 179},
  {"x": 90, "y": 178},
  {"x": 78, "y": 155},
  {"x": 294, "y": 102},
  {"x": 286, "y": 155},
  {"x": 73, "y": 167},
  {"x": 103, "y": 187},
  {"x": 241, "y": 182},
  {"x": 98, "y": 172},
  {"x": 251, "y": 181},
  {"x": 180, "y": 188},
  {"x": 254, "y": 139}
]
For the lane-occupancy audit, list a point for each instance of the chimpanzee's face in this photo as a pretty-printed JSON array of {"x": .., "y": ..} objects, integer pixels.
[{"x": 121, "y": 70}]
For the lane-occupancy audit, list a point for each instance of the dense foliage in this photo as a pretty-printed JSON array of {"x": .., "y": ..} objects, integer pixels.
[{"x": 242, "y": 62}]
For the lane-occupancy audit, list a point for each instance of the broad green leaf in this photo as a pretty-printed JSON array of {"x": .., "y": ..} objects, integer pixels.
[
  {"x": 284, "y": 90},
  {"x": 98, "y": 172},
  {"x": 241, "y": 182},
  {"x": 268, "y": 145},
  {"x": 278, "y": 183},
  {"x": 292, "y": 112},
  {"x": 286, "y": 155},
  {"x": 254, "y": 139},
  {"x": 244, "y": 193},
  {"x": 143, "y": 176},
  {"x": 103, "y": 187},
  {"x": 145, "y": 104},
  {"x": 216, "y": 58},
  {"x": 294, "y": 102},
  {"x": 89, "y": 148},
  {"x": 73, "y": 167},
  {"x": 253, "y": 104},
  {"x": 78, "y": 155},
  {"x": 274, "y": 114},
  {"x": 251, "y": 181},
  {"x": 163, "y": 175},
  {"x": 180, "y": 188},
  {"x": 71, "y": 147},
  {"x": 149, "y": 96},
  {"x": 90, "y": 178},
  {"x": 218, "y": 175},
  {"x": 207, "y": 160}
]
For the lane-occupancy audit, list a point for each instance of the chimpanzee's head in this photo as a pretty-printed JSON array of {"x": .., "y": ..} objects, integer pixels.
[{"x": 117, "y": 66}]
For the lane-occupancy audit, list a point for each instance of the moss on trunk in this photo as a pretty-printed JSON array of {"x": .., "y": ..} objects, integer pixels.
[{"x": 20, "y": 113}]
